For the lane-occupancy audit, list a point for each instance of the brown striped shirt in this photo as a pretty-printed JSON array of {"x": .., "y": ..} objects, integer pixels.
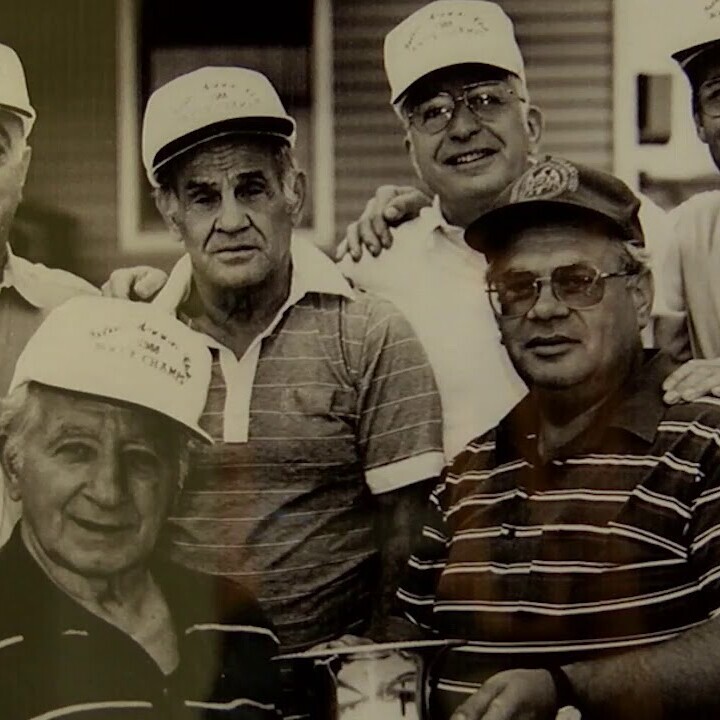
[
  {"x": 338, "y": 404},
  {"x": 615, "y": 543}
]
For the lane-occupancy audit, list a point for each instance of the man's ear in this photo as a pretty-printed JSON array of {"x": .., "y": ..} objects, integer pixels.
[
  {"x": 535, "y": 123},
  {"x": 643, "y": 293},
  {"x": 299, "y": 194},
  {"x": 25, "y": 164},
  {"x": 410, "y": 148},
  {"x": 700, "y": 128},
  {"x": 10, "y": 462},
  {"x": 168, "y": 205}
]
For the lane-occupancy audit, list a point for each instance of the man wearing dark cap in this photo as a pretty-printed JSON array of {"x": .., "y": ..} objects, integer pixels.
[{"x": 576, "y": 545}]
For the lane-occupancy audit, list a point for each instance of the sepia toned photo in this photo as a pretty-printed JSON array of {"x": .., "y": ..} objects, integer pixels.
[{"x": 361, "y": 360}]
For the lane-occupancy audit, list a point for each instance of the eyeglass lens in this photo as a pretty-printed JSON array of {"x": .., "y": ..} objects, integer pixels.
[
  {"x": 484, "y": 101},
  {"x": 577, "y": 286}
]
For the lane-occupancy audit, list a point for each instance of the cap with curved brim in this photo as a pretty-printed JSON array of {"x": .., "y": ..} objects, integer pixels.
[
  {"x": 283, "y": 128},
  {"x": 192, "y": 428},
  {"x": 487, "y": 233},
  {"x": 446, "y": 33},
  {"x": 121, "y": 350},
  {"x": 550, "y": 190},
  {"x": 688, "y": 55}
]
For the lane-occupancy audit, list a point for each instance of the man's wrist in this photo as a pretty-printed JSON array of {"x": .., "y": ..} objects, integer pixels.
[{"x": 565, "y": 694}]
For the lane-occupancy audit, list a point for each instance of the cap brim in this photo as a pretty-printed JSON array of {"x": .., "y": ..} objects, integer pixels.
[
  {"x": 485, "y": 236},
  {"x": 26, "y": 113},
  {"x": 283, "y": 128},
  {"x": 685, "y": 56},
  {"x": 194, "y": 430},
  {"x": 487, "y": 63}
]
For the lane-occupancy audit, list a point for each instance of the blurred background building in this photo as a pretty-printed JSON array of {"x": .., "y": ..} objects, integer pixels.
[{"x": 610, "y": 96}]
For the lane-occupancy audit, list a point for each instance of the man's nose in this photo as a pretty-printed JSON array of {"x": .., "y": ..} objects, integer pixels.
[
  {"x": 464, "y": 123},
  {"x": 547, "y": 306},
  {"x": 232, "y": 216},
  {"x": 107, "y": 486}
]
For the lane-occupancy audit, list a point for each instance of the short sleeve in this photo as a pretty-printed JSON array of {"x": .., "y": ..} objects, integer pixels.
[{"x": 399, "y": 411}]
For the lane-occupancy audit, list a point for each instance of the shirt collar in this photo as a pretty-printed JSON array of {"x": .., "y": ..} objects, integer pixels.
[
  {"x": 18, "y": 274},
  {"x": 435, "y": 221},
  {"x": 637, "y": 409},
  {"x": 312, "y": 272}
]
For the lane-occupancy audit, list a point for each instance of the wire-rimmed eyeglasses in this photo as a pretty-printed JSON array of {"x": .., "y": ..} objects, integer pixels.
[
  {"x": 485, "y": 100},
  {"x": 578, "y": 286}
]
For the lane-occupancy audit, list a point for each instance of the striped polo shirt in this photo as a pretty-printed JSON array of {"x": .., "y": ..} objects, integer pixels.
[
  {"x": 60, "y": 661},
  {"x": 333, "y": 404},
  {"x": 613, "y": 544}
]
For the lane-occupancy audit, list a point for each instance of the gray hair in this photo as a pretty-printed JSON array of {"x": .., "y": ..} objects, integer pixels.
[
  {"x": 634, "y": 257},
  {"x": 19, "y": 413}
]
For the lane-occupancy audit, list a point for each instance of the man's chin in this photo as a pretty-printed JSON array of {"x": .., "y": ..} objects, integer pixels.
[{"x": 550, "y": 378}]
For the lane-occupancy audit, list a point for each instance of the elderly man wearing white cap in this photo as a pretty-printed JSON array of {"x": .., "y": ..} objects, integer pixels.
[
  {"x": 457, "y": 83},
  {"x": 94, "y": 440},
  {"x": 27, "y": 290},
  {"x": 322, "y": 400},
  {"x": 693, "y": 261}
]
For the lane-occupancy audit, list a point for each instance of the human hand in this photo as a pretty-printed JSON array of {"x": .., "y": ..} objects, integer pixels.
[
  {"x": 693, "y": 380},
  {"x": 391, "y": 205},
  {"x": 512, "y": 695},
  {"x": 135, "y": 283}
]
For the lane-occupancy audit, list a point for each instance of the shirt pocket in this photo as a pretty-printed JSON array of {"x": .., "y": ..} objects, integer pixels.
[{"x": 318, "y": 412}]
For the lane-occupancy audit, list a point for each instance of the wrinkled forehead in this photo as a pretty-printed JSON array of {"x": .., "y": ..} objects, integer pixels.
[
  {"x": 452, "y": 79},
  {"x": 66, "y": 410},
  {"x": 541, "y": 248},
  {"x": 227, "y": 156}
]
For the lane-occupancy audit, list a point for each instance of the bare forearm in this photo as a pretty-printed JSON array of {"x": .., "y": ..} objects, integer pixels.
[
  {"x": 674, "y": 679},
  {"x": 399, "y": 516}
]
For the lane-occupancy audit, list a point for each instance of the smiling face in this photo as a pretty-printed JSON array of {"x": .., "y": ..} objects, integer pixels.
[
  {"x": 555, "y": 347},
  {"x": 228, "y": 207},
  {"x": 472, "y": 160},
  {"x": 96, "y": 480}
]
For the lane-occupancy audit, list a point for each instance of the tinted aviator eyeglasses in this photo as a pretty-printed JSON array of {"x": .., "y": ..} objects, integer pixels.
[
  {"x": 709, "y": 98},
  {"x": 514, "y": 293},
  {"x": 484, "y": 100}
]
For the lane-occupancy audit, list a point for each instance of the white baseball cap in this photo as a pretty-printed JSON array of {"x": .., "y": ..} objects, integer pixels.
[
  {"x": 696, "y": 28},
  {"x": 206, "y": 104},
  {"x": 13, "y": 88},
  {"x": 446, "y": 33},
  {"x": 121, "y": 350}
]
